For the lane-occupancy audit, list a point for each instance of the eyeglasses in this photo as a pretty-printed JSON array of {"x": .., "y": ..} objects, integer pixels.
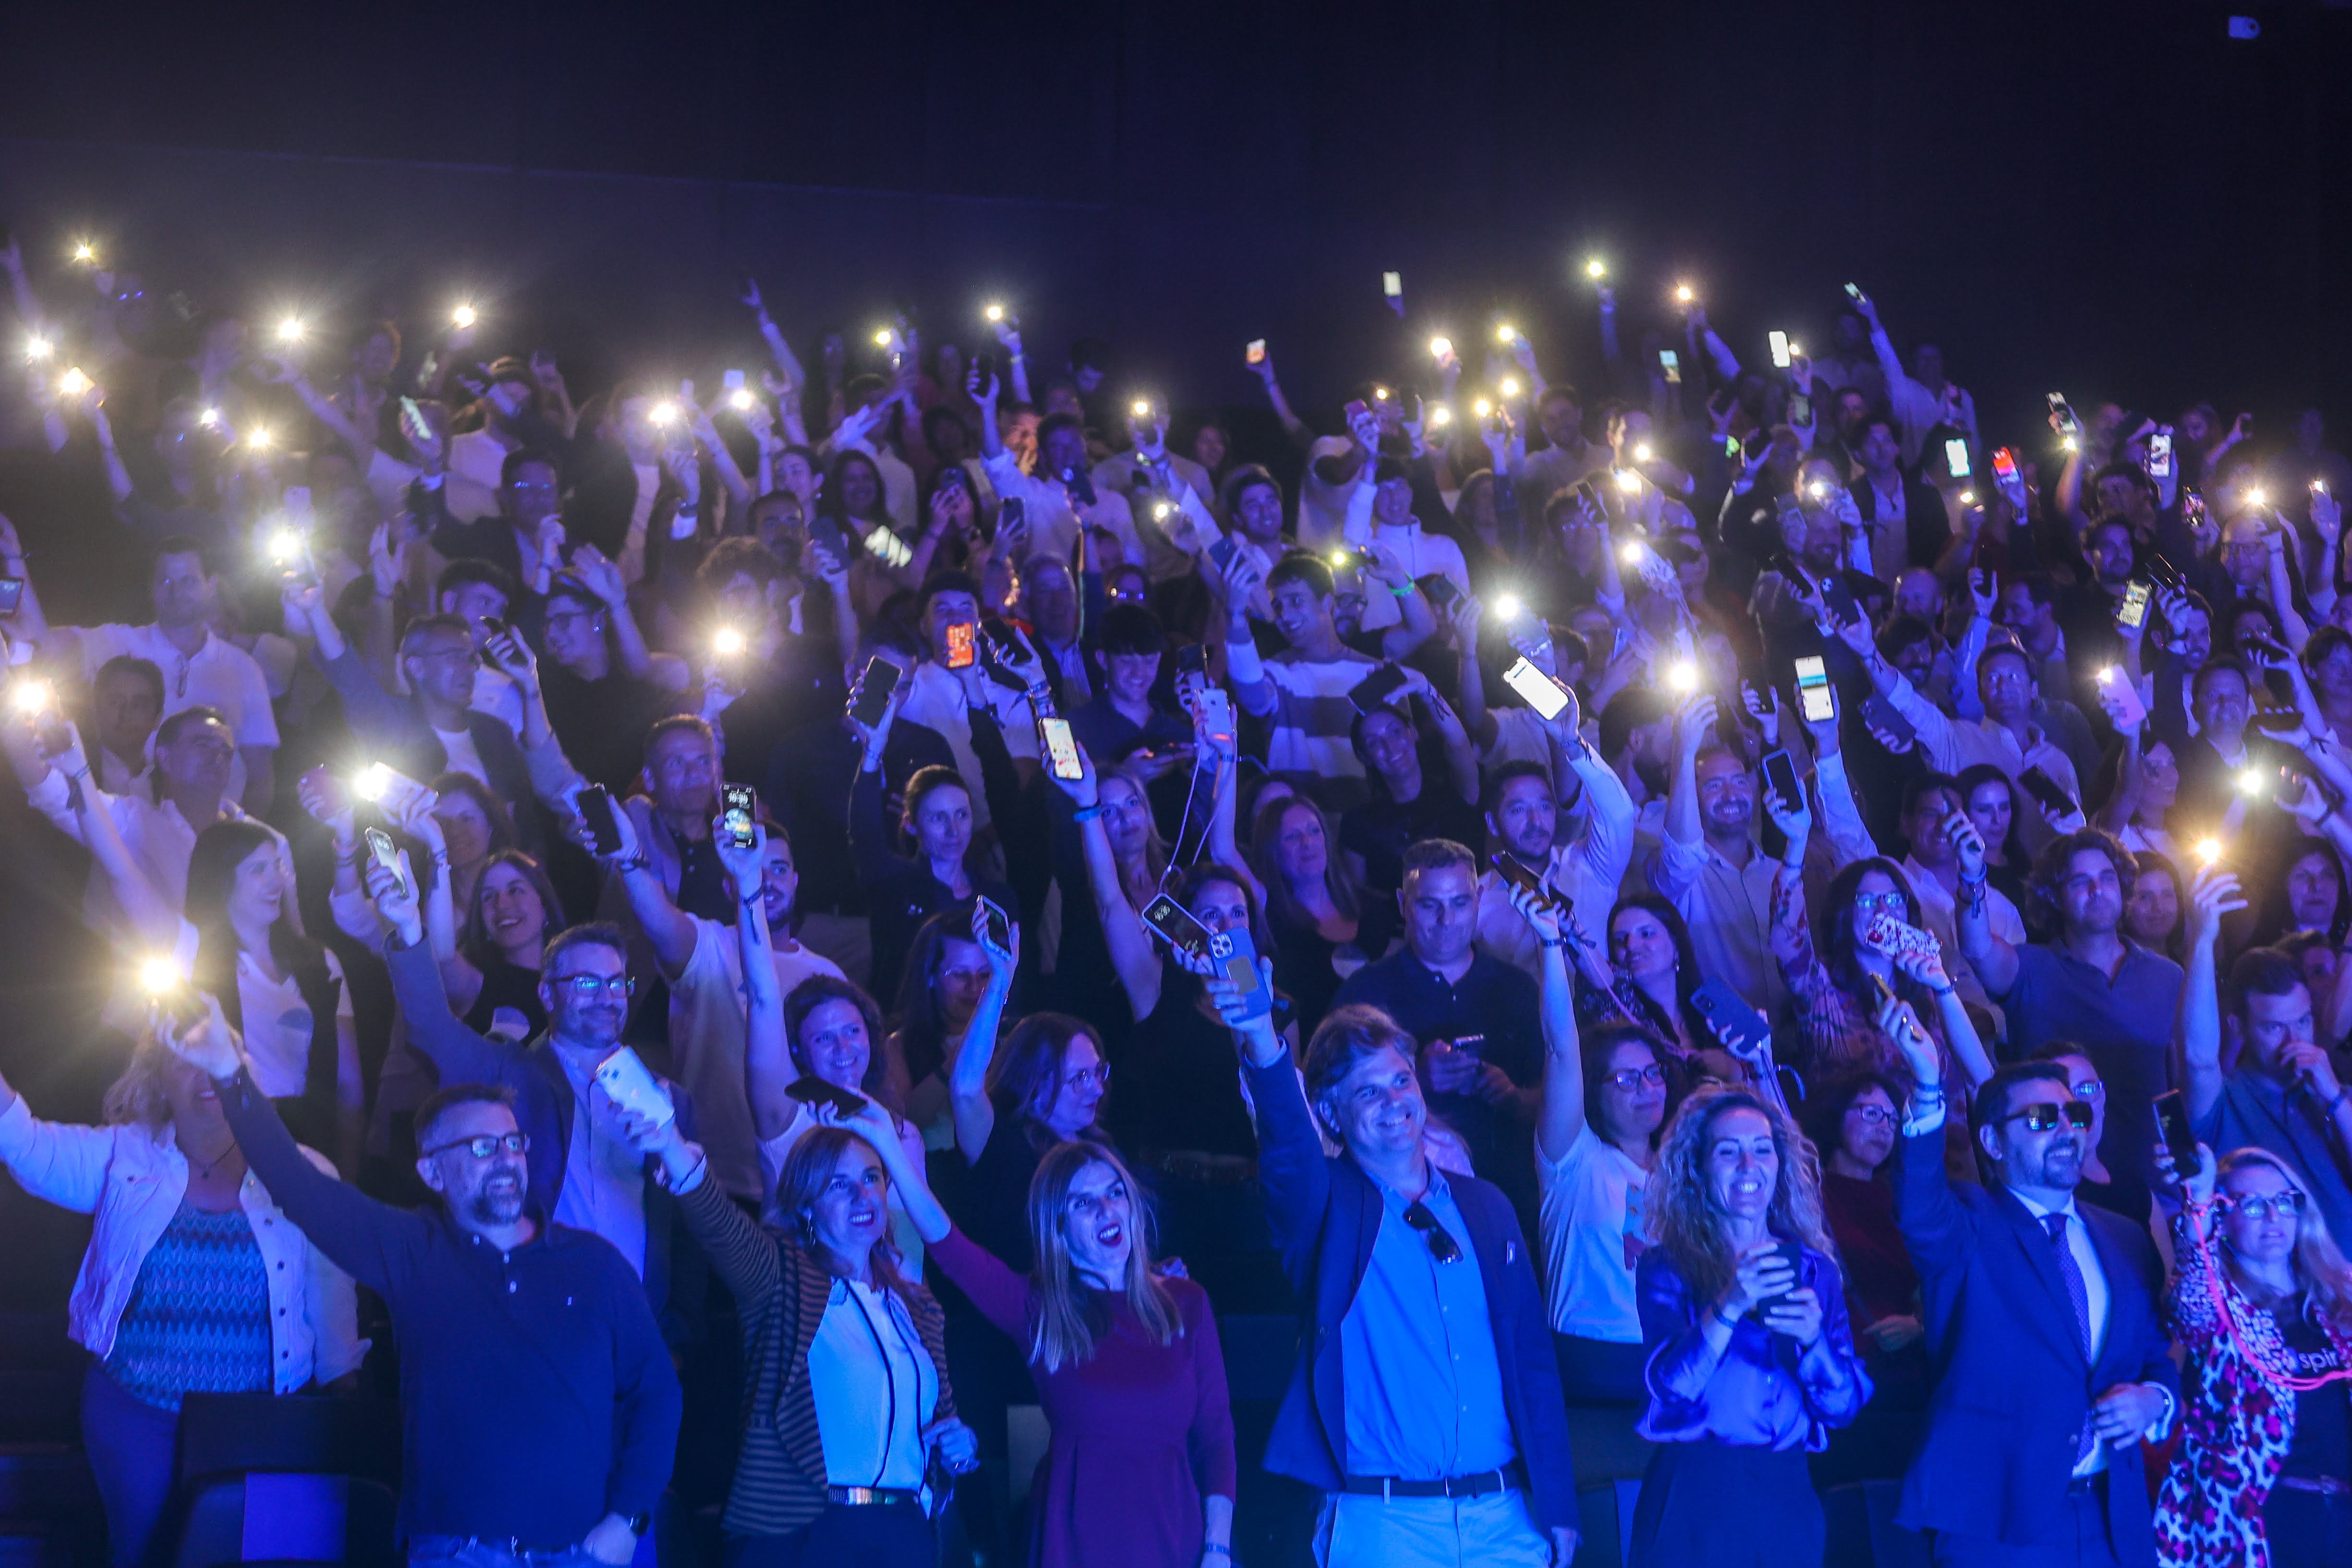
[
  {"x": 1890, "y": 903},
  {"x": 1633, "y": 1078},
  {"x": 2044, "y": 1118},
  {"x": 1441, "y": 1244},
  {"x": 2260, "y": 1209},
  {"x": 488, "y": 1144},
  {"x": 2090, "y": 1089},
  {"x": 588, "y": 987},
  {"x": 1877, "y": 1115},
  {"x": 1097, "y": 1074}
]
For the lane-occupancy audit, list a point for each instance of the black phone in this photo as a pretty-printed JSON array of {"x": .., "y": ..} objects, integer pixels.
[
  {"x": 1174, "y": 924},
  {"x": 984, "y": 362},
  {"x": 740, "y": 814},
  {"x": 1376, "y": 688},
  {"x": 1079, "y": 483},
  {"x": 1879, "y": 709},
  {"x": 826, "y": 531},
  {"x": 1193, "y": 658},
  {"x": 2164, "y": 574},
  {"x": 1838, "y": 594},
  {"x": 874, "y": 692},
  {"x": 2275, "y": 721},
  {"x": 1788, "y": 1252},
  {"x": 1010, "y": 511},
  {"x": 2172, "y": 1126},
  {"x": 2046, "y": 790},
  {"x": 1439, "y": 590},
  {"x": 12, "y": 595},
  {"x": 1800, "y": 408},
  {"x": 1519, "y": 874},
  {"x": 596, "y": 809},
  {"x": 1780, "y": 776},
  {"x": 1000, "y": 924},
  {"x": 1222, "y": 552},
  {"x": 815, "y": 1091}
]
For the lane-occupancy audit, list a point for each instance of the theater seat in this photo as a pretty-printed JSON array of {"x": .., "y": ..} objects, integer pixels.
[
  {"x": 1861, "y": 1528},
  {"x": 267, "y": 1517},
  {"x": 224, "y": 1434}
]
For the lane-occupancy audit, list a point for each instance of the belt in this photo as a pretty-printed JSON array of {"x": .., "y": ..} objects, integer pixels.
[
  {"x": 2327, "y": 1486},
  {"x": 1512, "y": 1477},
  {"x": 2095, "y": 1481},
  {"x": 869, "y": 1497}
]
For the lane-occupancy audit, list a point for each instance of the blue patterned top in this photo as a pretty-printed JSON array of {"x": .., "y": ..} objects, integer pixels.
[{"x": 198, "y": 1319}]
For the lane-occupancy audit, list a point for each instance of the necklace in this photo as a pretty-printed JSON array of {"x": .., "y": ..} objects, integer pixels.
[{"x": 205, "y": 1168}]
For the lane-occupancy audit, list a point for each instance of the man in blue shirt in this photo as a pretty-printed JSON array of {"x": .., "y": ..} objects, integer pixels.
[
  {"x": 538, "y": 1409},
  {"x": 1425, "y": 1400}
]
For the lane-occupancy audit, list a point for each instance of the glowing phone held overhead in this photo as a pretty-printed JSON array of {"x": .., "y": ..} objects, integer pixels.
[
  {"x": 1060, "y": 749},
  {"x": 2159, "y": 455},
  {"x": 1672, "y": 363},
  {"x": 1815, "y": 697},
  {"x": 961, "y": 651},
  {"x": 1256, "y": 352},
  {"x": 2134, "y": 610},
  {"x": 1000, "y": 924},
  {"x": 737, "y": 814},
  {"x": 1955, "y": 455},
  {"x": 1780, "y": 341},
  {"x": 381, "y": 851},
  {"x": 2113, "y": 687},
  {"x": 1536, "y": 689},
  {"x": 1393, "y": 284},
  {"x": 1230, "y": 950}
]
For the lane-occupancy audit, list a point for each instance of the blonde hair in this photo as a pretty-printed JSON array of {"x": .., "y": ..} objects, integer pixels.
[
  {"x": 1683, "y": 1217},
  {"x": 137, "y": 1096},
  {"x": 1067, "y": 1318},
  {"x": 807, "y": 1169},
  {"x": 2318, "y": 1264}
]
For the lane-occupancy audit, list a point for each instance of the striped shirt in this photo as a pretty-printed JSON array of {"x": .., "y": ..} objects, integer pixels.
[
  {"x": 1313, "y": 721},
  {"x": 782, "y": 1292}
]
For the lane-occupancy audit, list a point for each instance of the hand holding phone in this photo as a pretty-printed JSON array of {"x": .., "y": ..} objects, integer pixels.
[{"x": 631, "y": 1085}]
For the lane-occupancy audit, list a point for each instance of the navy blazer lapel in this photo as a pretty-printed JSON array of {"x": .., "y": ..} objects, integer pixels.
[{"x": 2041, "y": 1255}]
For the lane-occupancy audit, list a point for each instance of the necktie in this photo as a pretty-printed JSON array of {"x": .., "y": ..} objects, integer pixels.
[{"x": 2080, "y": 1294}]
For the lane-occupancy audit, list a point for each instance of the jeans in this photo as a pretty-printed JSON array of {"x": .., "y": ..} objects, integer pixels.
[
  {"x": 132, "y": 1447},
  {"x": 1491, "y": 1531}
]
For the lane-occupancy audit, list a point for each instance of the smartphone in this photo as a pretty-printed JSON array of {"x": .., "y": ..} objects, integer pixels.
[
  {"x": 1214, "y": 713},
  {"x": 874, "y": 692},
  {"x": 1838, "y": 594},
  {"x": 1800, "y": 408},
  {"x": 826, "y": 532},
  {"x": 12, "y": 595},
  {"x": 1672, "y": 363},
  {"x": 2159, "y": 455},
  {"x": 1357, "y": 408},
  {"x": 1060, "y": 749},
  {"x": 1854, "y": 292},
  {"x": 1816, "y": 700},
  {"x": 2046, "y": 790},
  {"x": 2126, "y": 695},
  {"x": 1955, "y": 455},
  {"x": 1193, "y": 658},
  {"x": 1881, "y": 711},
  {"x": 1000, "y": 924},
  {"x": 1436, "y": 586},
  {"x": 815, "y": 1091},
  {"x": 383, "y": 851},
  {"x": 1174, "y": 924},
  {"x": 2068, "y": 425},
  {"x": 1376, "y": 688},
  {"x": 1223, "y": 550},
  {"x": 1780, "y": 341},
  {"x": 2275, "y": 721},
  {"x": 1519, "y": 874},
  {"x": 631, "y": 1085},
  {"x": 1536, "y": 689},
  {"x": 963, "y": 650},
  {"x": 1781, "y": 776},
  {"x": 1787, "y": 1251},
  {"x": 1256, "y": 352},
  {"x": 1392, "y": 285},
  {"x": 2137, "y": 593},
  {"x": 1737, "y": 1028},
  {"x": 1079, "y": 483},
  {"x": 1236, "y": 953},
  {"x": 1010, "y": 513},
  {"x": 595, "y": 807},
  {"x": 2004, "y": 466},
  {"x": 2172, "y": 1126},
  {"x": 738, "y": 814},
  {"x": 731, "y": 380}
]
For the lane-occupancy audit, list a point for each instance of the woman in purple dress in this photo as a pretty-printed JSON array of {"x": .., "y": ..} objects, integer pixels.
[{"x": 1141, "y": 1467}]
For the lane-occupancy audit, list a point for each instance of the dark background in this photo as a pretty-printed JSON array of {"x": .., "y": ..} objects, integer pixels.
[{"x": 2110, "y": 197}]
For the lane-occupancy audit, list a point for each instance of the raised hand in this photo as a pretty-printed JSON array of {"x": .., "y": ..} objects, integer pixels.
[
  {"x": 2212, "y": 893},
  {"x": 1693, "y": 721},
  {"x": 1968, "y": 845},
  {"x": 1767, "y": 713},
  {"x": 395, "y": 893}
]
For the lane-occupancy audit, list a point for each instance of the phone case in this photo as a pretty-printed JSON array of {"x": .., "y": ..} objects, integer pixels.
[
  {"x": 1233, "y": 951},
  {"x": 629, "y": 1085}
]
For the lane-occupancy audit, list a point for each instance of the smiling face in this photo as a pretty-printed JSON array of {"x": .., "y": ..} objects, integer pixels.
[
  {"x": 481, "y": 1192},
  {"x": 1640, "y": 946},
  {"x": 2052, "y": 1160},
  {"x": 587, "y": 1021},
  {"x": 440, "y": 664},
  {"x": 1377, "y": 1110},
  {"x": 1631, "y": 1111},
  {"x": 194, "y": 1103},
  {"x": 200, "y": 758},
  {"x": 574, "y": 631},
  {"x": 1098, "y": 1225},
  {"x": 1299, "y": 612},
  {"x": 1388, "y": 745},
  {"x": 257, "y": 892},
  {"x": 852, "y": 1208},
  {"x": 1258, "y": 510},
  {"x": 1526, "y": 817},
  {"x": 512, "y": 912},
  {"x": 1726, "y": 795},
  {"x": 833, "y": 1044},
  {"x": 1131, "y": 676},
  {"x": 1743, "y": 1164}
]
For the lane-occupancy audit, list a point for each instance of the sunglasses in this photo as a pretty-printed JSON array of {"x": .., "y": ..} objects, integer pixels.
[
  {"x": 2260, "y": 1209},
  {"x": 1441, "y": 1244},
  {"x": 2044, "y": 1118}
]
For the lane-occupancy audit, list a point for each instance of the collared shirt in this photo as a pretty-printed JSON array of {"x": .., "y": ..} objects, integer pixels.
[
  {"x": 604, "y": 1176},
  {"x": 874, "y": 1384},
  {"x": 219, "y": 674},
  {"x": 2292, "y": 1124},
  {"x": 1955, "y": 745},
  {"x": 937, "y": 701},
  {"x": 1728, "y": 910},
  {"x": 2095, "y": 1290},
  {"x": 2124, "y": 1022},
  {"x": 1417, "y": 1357}
]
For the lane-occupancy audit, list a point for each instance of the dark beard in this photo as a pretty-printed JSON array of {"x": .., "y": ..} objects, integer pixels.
[{"x": 488, "y": 1210}]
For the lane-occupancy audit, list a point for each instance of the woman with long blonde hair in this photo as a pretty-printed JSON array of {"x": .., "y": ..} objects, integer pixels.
[
  {"x": 2263, "y": 1302},
  {"x": 1752, "y": 1360},
  {"x": 1140, "y": 1468}
]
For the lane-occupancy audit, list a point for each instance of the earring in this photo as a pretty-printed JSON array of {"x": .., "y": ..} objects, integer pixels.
[{"x": 808, "y": 1228}]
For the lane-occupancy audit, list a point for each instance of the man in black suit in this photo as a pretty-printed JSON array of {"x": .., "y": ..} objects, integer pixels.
[
  {"x": 1904, "y": 515},
  {"x": 2050, "y": 1363}
]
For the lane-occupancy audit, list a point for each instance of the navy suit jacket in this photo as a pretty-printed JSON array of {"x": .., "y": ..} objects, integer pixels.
[
  {"x": 2012, "y": 1384},
  {"x": 1325, "y": 1213}
]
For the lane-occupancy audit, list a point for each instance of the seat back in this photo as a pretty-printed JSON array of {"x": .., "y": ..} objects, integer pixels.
[
  {"x": 316, "y": 1434},
  {"x": 273, "y": 1517}
]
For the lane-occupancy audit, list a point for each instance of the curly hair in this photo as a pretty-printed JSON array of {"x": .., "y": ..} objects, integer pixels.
[
  {"x": 2048, "y": 882},
  {"x": 1682, "y": 1213}
]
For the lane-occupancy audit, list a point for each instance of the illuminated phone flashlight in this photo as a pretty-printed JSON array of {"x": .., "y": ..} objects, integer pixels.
[
  {"x": 1821, "y": 489},
  {"x": 85, "y": 252},
  {"x": 29, "y": 697},
  {"x": 727, "y": 642},
  {"x": 463, "y": 316},
  {"x": 2258, "y": 497},
  {"x": 1508, "y": 607},
  {"x": 158, "y": 974},
  {"x": 2068, "y": 443},
  {"x": 1507, "y": 334},
  {"x": 2108, "y": 675},
  {"x": 1630, "y": 553},
  {"x": 1160, "y": 510},
  {"x": 1440, "y": 347},
  {"x": 1642, "y": 454},
  {"x": 73, "y": 384},
  {"x": 1484, "y": 407},
  {"x": 285, "y": 545},
  {"x": 1794, "y": 352},
  {"x": 1140, "y": 409},
  {"x": 258, "y": 440},
  {"x": 1682, "y": 676},
  {"x": 2209, "y": 850},
  {"x": 1440, "y": 415},
  {"x": 1510, "y": 387},
  {"x": 2250, "y": 781},
  {"x": 741, "y": 400},
  {"x": 1341, "y": 559},
  {"x": 37, "y": 349},
  {"x": 1380, "y": 395},
  {"x": 290, "y": 330},
  {"x": 1628, "y": 481},
  {"x": 663, "y": 414},
  {"x": 1685, "y": 293},
  {"x": 1596, "y": 270},
  {"x": 372, "y": 783},
  {"x": 209, "y": 418},
  {"x": 1967, "y": 497},
  {"x": 2319, "y": 487},
  {"x": 994, "y": 312}
]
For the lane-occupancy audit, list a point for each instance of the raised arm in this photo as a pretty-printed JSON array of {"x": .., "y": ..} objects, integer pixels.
[
  {"x": 1132, "y": 953},
  {"x": 968, "y": 1102},
  {"x": 669, "y": 928},
  {"x": 1253, "y": 690},
  {"x": 2211, "y": 895},
  {"x": 1993, "y": 959},
  {"x": 1292, "y": 425},
  {"x": 1561, "y": 1117}
]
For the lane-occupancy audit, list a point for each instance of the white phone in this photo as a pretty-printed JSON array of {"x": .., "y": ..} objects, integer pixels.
[
  {"x": 1536, "y": 689},
  {"x": 1815, "y": 697},
  {"x": 632, "y": 1087},
  {"x": 1780, "y": 341}
]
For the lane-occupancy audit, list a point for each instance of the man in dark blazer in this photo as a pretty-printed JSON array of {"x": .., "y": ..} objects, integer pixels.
[
  {"x": 1904, "y": 516},
  {"x": 1425, "y": 1400},
  {"x": 2051, "y": 1366}
]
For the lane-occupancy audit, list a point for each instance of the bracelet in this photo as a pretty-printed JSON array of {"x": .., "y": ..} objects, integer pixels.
[
  {"x": 633, "y": 863},
  {"x": 1086, "y": 812},
  {"x": 1405, "y": 592},
  {"x": 1552, "y": 941},
  {"x": 441, "y": 858},
  {"x": 1947, "y": 991}
]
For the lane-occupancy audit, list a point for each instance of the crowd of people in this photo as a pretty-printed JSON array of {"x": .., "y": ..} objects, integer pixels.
[{"x": 1744, "y": 902}]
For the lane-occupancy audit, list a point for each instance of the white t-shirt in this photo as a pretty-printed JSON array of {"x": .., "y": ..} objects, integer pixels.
[
  {"x": 705, "y": 1042},
  {"x": 496, "y": 694},
  {"x": 217, "y": 675},
  {"x": 464, "y": 757},
  {"x": 476, "y": 461},
  {"x": 277, "y": 1024},
  {"x": 1591, "y": 1216}
]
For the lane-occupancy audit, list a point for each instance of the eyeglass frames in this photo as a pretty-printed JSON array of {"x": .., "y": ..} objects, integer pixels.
[
  {"x": 2044, "y": 1118},
  {"x": 2259, "y": 1209},
  {"x": 488, "y": 1144}
]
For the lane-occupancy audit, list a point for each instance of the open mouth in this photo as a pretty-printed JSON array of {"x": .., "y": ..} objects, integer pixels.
[{"x": 1111, "y": 1235}]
